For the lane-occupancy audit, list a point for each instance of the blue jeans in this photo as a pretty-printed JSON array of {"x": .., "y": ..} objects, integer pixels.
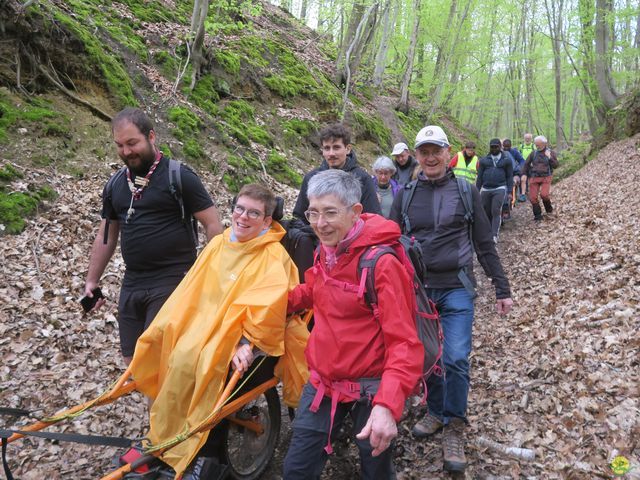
[
  {"x": 306, "y": 457},
  {"x": 447, "y": 395}
]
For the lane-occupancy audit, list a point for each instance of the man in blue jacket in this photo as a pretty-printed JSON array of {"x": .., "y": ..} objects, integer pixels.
[{"x": 495, "y": 181}]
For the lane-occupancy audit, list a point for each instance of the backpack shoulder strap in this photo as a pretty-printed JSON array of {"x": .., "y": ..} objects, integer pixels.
[
  {"x": 366, "y": 268},
  {"x": 407, "y": 196},
  {"x": 107, "y": 206},
  {"x": 466, "y": 196},
  {"x": 175, "y": 185}
]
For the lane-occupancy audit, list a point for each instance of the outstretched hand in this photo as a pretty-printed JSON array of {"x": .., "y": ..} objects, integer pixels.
[
  {"x": 380, "y": 429},
  {"x": 243, "y": 357},
  {"x": 503, "y": 305}
]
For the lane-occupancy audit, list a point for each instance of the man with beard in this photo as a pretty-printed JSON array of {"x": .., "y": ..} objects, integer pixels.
[
  {"x": 338, "y": 153},
  {"x": 157, "y": 239}
]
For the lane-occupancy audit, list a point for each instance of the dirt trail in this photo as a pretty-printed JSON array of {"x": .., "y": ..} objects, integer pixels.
[{"x": 560, "y": 375}]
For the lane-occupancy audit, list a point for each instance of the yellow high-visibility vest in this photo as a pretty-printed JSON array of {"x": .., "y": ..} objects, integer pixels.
[{"x": 468, "y": 172}]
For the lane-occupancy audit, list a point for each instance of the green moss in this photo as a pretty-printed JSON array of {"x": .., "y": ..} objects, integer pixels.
[
  {"x": 9, "y": 173},
  {"x": 228, "y": 60},
  {"x": 279, "y": 169},
  {"x": 16, "y": 206},
  {"x": 205, "y": 96},
  {"x": 166, "y": 150},
  {"x": 111, "y": 67},
  {"x": 573, "y": 159},
  {"x": 187, "y": 123},
  {"x": 157, "y": 11},
  {"x": 372, "y": 128},
  {"x": 239, "y": 118},
  {"x": 254, "y": 50},
  {"x": 410, "y": 125},
  {"x": 192, "y": 149},
  {"x": 295, "y": 129},
  {"x": 35, "y": 111}
]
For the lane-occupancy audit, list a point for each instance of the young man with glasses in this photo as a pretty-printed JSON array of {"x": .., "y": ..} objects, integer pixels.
[{"x": 358, "y": 360}]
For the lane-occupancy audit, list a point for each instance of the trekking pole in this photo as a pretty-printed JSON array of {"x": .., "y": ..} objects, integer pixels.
[
  {"x": 129, "y": 467},
  {"x": 119, "y": 389}
]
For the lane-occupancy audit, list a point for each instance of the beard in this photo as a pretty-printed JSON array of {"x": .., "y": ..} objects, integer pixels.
[{"x": 140, "y": 163}]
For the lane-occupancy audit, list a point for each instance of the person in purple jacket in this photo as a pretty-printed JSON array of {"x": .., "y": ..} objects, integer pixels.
[{"x": 386, "y": 187}]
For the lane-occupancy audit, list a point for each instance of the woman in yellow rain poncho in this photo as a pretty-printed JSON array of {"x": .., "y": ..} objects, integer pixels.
[{"x": 236, "y": 289}]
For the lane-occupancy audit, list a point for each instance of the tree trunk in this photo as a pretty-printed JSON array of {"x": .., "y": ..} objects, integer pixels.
[
  {"x": 198, "y": 17},
  {"x": 359, "y": 34},
  {"x": 403, "y": 104},
  {"x": 303, "y": 11},
  {"x": 388, "y": 20},
  {"x": 554, "y": 19},
  {"x": 574, "y": 112},
  {"x": 347, "y": 59},
  {"x": 603, "y": 54},
  {"x": 439, "y": 75}
]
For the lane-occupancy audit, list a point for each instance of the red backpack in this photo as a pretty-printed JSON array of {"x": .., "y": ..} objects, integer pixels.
[{"x": 409, "y": 253}]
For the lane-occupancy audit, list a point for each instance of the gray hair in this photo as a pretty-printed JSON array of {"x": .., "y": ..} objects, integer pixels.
[
  {"x": 541, "y": 138},
  {"x": 336, "y": 182},
  {"x": 384, "y": 163}
]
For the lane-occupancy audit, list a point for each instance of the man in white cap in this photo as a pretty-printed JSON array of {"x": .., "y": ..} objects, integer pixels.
[
  {"x": 405, "y": 163},
  {"x": 434, "y": 212}
]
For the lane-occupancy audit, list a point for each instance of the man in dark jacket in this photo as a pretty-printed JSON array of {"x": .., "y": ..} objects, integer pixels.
[
  {"x": 539, "y": 168},
  {"x": 495, "y": 181},
  {"x": 405, "y": 163},
  {"x": 336, "y": 150},
  {"x": 437, "y": 219}
]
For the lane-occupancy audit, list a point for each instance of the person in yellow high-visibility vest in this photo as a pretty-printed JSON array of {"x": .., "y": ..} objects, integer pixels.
[{"x": 464, "y": 164}]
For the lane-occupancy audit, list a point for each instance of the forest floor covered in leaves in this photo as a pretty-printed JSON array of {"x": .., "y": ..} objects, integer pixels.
[{"x": 559, "y": 375}]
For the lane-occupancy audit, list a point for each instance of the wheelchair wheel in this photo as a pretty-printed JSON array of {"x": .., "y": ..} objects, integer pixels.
[{"x": 246, "y": 453}]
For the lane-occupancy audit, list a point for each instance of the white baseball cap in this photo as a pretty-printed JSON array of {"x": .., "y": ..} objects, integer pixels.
[
  {"x": 398, "y": 148},
  {"x": 432, "y": 134}
]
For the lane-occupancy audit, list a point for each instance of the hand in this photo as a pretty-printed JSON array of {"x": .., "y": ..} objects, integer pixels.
[
  {"x": 380, "y": 429},
  {"x": 88, "y": 292},
  {"x": 242, "y": 358},
  {"x": 503, "y": 305}
]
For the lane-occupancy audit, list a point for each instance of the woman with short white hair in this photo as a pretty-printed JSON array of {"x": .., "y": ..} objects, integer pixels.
[
  {"x": 349, "y": 343},
  {"x": 386, "y": 187}
]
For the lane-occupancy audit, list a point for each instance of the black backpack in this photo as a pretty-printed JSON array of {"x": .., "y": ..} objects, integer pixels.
[
  {"x": 466, "y": 196},
  {"x": 175, "y": 188},
  {"x": 428, "y": 327},
  {"x": 540, "y": 166}
]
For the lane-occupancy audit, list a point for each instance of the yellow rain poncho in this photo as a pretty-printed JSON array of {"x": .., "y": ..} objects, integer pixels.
[{"x": 182, "y": 360}]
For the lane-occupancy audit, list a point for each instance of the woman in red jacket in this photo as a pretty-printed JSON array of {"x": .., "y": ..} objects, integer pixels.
[{"x": 360, "y": 365}]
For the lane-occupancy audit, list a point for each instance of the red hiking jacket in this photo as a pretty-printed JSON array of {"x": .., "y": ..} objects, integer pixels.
[{"x": 347, "y": 342}]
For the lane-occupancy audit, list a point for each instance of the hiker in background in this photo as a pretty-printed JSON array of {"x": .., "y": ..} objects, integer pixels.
[
  {"x": 386, "y": 186},
  {"x": 349, "y": 344},
  {"x": 525, "y": 150},
  {"x": 432, "y": 210},
  {"x": 405, "y": 163},
  {"x": 517, "y": 166},
  {"x": 539, "y": 169},
  {"x": 338, "y": 154},
  {"x": 508, "y": 199},
  {"x": 464, "y": 164},
  {"x": 158, "y": 242},
  {"x": 495, "y": 181}
]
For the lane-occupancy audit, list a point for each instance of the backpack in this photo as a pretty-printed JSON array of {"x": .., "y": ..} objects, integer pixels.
[
  {"x": 464, "y": 188},
  {"x": 466, "y": 196},
  {"x": 428, "y": 327},
  {"x": 175, "y": 189},
  {"x": 540, "y": 166}
]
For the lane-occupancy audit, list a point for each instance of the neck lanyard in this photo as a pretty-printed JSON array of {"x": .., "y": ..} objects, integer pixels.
[{"x": 139, "y": 184}]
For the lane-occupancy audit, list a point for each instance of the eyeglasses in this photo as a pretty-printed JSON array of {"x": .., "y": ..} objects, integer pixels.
[
  {"x": 330, "y": 216},
  {"x": 251, "y": 213}
]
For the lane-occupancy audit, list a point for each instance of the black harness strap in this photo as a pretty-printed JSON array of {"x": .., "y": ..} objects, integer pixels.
[
  {"x": 119, "y": 442},
  {"x": 406, "y": 200},
  {"x": 14, "y": 412},
  {"x": 5, "y": 464}
]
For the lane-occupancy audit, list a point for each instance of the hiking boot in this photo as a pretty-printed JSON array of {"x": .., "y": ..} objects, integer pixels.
[
  {"x": 537, "y": 212},
  {"x": 522, "y": 198},
  {"x": 427, "y": 426},
  {"x": 548, "y": 208},
  {"x": 453, "y": 446}
]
